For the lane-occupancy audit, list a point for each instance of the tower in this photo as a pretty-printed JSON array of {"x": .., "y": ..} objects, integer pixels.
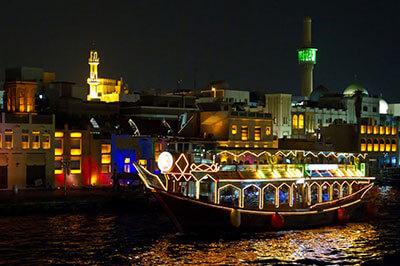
[
  {"x": 93, "y": 79},
  {"x": 307, "y": 56}
]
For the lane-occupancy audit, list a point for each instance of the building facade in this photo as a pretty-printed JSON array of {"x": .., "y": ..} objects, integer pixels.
[{"x": 280, "y": 107}]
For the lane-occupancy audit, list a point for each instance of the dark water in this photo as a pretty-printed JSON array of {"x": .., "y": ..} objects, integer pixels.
[{"x": 148, "y": 238}]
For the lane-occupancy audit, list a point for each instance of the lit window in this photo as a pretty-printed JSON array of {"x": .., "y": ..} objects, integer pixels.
[
  {"x": 394, "y": 145},
  {"x": 369, "y": 129},
  {"x": 388, "y": 129},
  {"x": 58, "y": 134},
  {"x": 376, "y": 130},
  {"x": 381, "y": 145},
  {"x": 245, "y": 133},
  {"x": 58, "y": 146},
  {"x": 8, "y": 139},
  {"x": 387, "y": 146},
  {"x": 363, "y": 129},
  {"x": 127, "y": 165},
  {"x": 143, "y": 162},
  {"x": 25, "y": 141},
  {"x": 394, "y": 130},
  {"x": 268, "y": 131},
  {"x": 301, "y": 121},
  {"x": 76, "y": 145},
  {"x": 234, "y": 129},
  {"x": 75, "y": 135},
  {"x": 58, "y": 167},
  {"x": 75, "y": 165},
  {"x": 381, "y": 130},
  {"x": 105, "y": 158},
  {"x": 294, "y": 121},
  {"x": 376, "y": 145},
  {"x": 105, "y": 148},
  {"x": 363, "y": 145},
  {"x": 46, "y": 141},
  {"x": 106, "y": 168},
  {"x": 257, "y": 133},
  {"x": 35, "y": 140},
  {"x": 369, "y": 145}
]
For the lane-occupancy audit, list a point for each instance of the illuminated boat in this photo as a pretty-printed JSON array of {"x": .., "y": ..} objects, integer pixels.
[{"x": 260, "y": 191}]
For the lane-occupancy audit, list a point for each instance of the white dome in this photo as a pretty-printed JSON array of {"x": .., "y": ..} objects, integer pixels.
[
  {"x": 353, "y": 89},
  {"x": 383, "y": 106}
]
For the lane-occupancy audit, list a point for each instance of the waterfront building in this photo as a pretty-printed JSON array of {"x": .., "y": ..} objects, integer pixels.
[
  {"x": 279, "y": 105},
  {"x": 220, "y": 91},
  {"x": 26, "y": 150}
]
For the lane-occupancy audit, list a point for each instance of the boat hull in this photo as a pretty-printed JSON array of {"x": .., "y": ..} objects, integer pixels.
[{"x": 193, "y": 215}]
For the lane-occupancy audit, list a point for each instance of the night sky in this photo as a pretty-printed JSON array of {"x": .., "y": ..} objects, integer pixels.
[{"x": 251, "y": 44}]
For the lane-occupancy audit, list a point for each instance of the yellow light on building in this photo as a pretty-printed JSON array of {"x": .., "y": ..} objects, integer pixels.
[
  {"x": 363, "y": 129},
  {"x": 127, "y": 160},
  {"x": 381, "y": 130},
  {"x": 75, "y": 134},
  {"x": 234, "y": 129},
  {"x": 105, "y": 148},
  {"x": 58, "y": 134},
  {"x": 294, "y": 121},
  {"x": 35, "y": 140},
  {"x": 301, "y": 121},
  {"x": 376, "y": 130},
  {"x": 245, "y": 133},
  {"x": 257, "y": 133},
  {"x": 105, "y": 158},
  {"x": 394, "y": 130},
  {"x": 388, "y": 130},
  {"x": 369, "y": 129}
]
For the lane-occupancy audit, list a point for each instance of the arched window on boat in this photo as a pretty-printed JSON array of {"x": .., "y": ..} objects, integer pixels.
[
  {"x": 345, "y": 189},
  {"x": 394, "y": 145},
  {"x": 355, "y": 187},
  {"x": 229, "y": 195},
  {"x": 207, "y": 188},
  {"x": 269, "y": 193},
  {"x": 335, "y": 191},
  {"x": 314, "y": 193},
  {"x": 325, "y": 192},
  {"x": 251, "y": 197},
  {"x": 284, "y": 195},
  {"x": 387, "y": 147},
  {"x": 369, "y": 144}
]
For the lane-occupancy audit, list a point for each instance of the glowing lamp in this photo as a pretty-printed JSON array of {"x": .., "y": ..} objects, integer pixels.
[{"x": 165, "y": 161}]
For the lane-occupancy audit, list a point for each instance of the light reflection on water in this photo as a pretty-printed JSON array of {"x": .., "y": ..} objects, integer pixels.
[{"x": 148, "y": 238}]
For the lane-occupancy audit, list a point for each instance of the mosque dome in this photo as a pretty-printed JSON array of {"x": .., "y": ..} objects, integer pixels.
[
  {"x": 318, "y": 92},
  {"x": 383, "y": 106},
  {"x": 353, "y": 88}
]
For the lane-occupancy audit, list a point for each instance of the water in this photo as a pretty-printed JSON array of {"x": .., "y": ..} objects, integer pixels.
[{"x": 148, "y": 238}]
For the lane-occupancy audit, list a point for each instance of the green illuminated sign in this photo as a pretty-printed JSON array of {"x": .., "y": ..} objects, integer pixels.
[{"x": 306, "y": 55}]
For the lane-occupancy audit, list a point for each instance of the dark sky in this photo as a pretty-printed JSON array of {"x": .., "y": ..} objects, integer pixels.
[{"x": 251, "y": 44}]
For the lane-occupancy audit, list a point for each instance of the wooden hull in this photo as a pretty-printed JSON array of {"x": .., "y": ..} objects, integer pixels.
[{"x": 194, "y": 215}]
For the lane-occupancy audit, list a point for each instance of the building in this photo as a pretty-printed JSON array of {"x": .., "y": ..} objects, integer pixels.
[
  {"x": 20, "y": 96},
  {"x": 26, "y": 151},
  {"x": 221, "y": 91},
  {"x": 232, "y": 129},
  {"x": 279, "y": 105},
  {"x": 105, "y": 89}
]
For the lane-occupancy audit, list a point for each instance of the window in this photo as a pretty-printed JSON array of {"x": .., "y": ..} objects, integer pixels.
[
  {"x": 363, "y": 145},
  {"x": 8, "y": 139},
  {"x": 394, "y": 145},
  {"x": 35, "y": 140},
  {"x": 376, "y": 130},
  {"x": 369, "y": 129},
  {"x": 58, "y": 146},
  {"x": 363, "y": 129},
  {"x": 234, "y": 129},
  {"x": 268, "y": 131},
  {"x": 58, "y": 167},
  {"x": 257, "y": 133},
  {"x": 245, "y": 133},
  {"x": 374, "y": 109},
  {"x": 394, "y": 130},
  {"x": 75, "y": 165},
  {"x": 46, "y": 141},
  {"x": 388, "y": 129},
  {"x": 76, "y": 143},
  {"x": 387, "y": 147},
  {"x": 106, "y": 158},
  {"x": 127, "y": 165},
  {"x": 369, "y": 145},
  {"x": 381, "y": 130},
  {"x": 381, "y": 145},
  {"x": 294, "y": 121},
  {"x": 143, "y": 162},
  {"x": 365, "y": 108},
  {"x": 301, "y": 121},
  {"x": 376, "y": 145},
  {"x": 25, "y": 141}
]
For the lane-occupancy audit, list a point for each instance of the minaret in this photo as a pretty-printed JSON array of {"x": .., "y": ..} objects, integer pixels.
[
  {"x": 93, "y": 79},
  {"x": 307, "y": 56}
]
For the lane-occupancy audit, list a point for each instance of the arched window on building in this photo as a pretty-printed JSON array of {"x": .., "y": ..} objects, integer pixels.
[
  {"x": 369, "y": 144},
  {"x": 363, "y": 146},
  {"x": 301, "y": 121},
  {"x": 376, "y": 145},
  {"x": 294, "y": 121}
]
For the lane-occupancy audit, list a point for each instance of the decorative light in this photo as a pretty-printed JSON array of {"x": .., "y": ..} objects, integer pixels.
[{"x": 165, "y": 161}]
